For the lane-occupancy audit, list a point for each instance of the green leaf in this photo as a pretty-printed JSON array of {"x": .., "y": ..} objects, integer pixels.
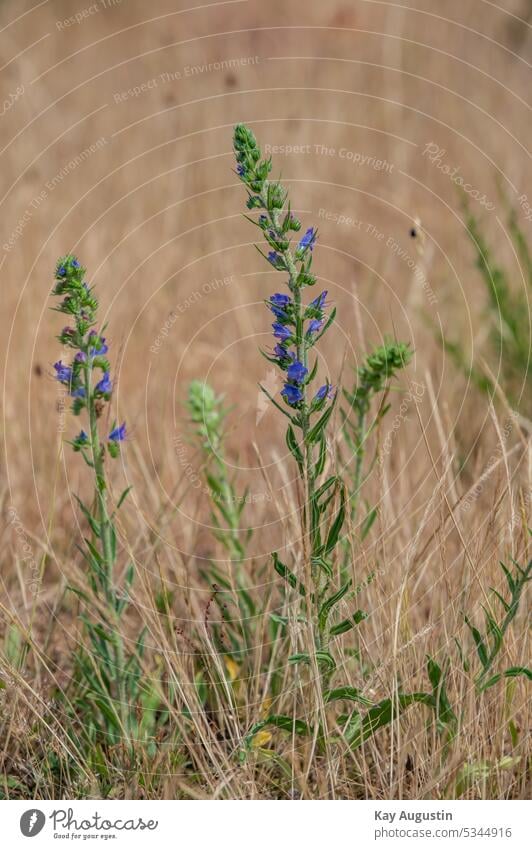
[
  {"x": 287, "y": 575},
  {"x": 285, "y": 723},
  {"x": 324, "y": 487},
  {"x": 93, "y": 523},
  {"x": 445, "y": 716},
  {"x": 328, "y": 605},
  {"x": 348, "y": 694},
  {"x": 315, "y": 432},
  {"x": 323, "y": 658},
  {"x": 512, "y": 672},
  {"x": 322, "y": 456},
  {"x": 294, "y": 448},
  {"x": 479, "y": 642},
  {"x": 274, "y": 402},
  {"x": 123, "y": 496},
  {"x": 384, "y": 713},
  {"x": 299, "y": 657},
  {"x": 348, "y": 624},
  {"x": 334, "y": 532}
]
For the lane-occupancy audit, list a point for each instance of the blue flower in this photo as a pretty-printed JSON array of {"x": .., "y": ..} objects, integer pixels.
[
  {"x": 292, "y": 394},
  {"x": 100, "y": 349},
  {"x": 118, "y": 434},
  {"x": 281, "y": 332},
  {"x": 78, "y": 393},
  {"x": 307, "y": 241},
  {"x": 75, "y": 263},
  {"x": 314, "y": 325},
  {"x": 280, "y": 300},
  {"x": 104, "y": 385},
  {"x": 319, "y": 302},
  {"x": 82, "y": 438},
  {"x": 63, "y": 373},
  {"x": 61, "y": 271},
  {"x": 281, "y": 352},
  {"x": 278, "y": 304},
  {"x": 297, "y": 372},
  {"x": 80, "y": 357},
  {"x": 325, "y": 391},
  {"x": 240, "y": 169},
  {"x": 275, "y": 259}
]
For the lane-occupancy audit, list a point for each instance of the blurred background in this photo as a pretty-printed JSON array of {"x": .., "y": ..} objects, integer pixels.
[{"x": 116, "y": 126}]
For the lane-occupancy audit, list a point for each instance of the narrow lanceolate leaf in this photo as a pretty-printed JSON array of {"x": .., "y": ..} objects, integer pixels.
[
  {"x": 325, "y": 486},
  {"x": 328, "y": 605},
  {"x": 285, "y": 723},
  {"x": 323, "y": 658},
  {"x": 445, "y": 715},
  {"x": 322, "y": 456},
  {"x": 512, "y": 672},
  {"x": 123, "y": 496},
  {"x": 274, "y": 402},
  {"x": 315, "y": 432},
  {"x": 334, "y": 532},
  {"x": 294, "y": 448},
  {"x": 479, "y": 642},
  {"x": 348, "y": 694},
  {"x": 326, "y": 325},
  {"x": 288, "y": 576},
  {"x": 383, "y": 714},
  {"x": 347, "y": 624}
]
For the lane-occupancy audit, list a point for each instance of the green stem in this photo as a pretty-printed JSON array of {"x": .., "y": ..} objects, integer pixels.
[
  {"x": 98, "y": 463},
  {"x": 302, "y": 356}
]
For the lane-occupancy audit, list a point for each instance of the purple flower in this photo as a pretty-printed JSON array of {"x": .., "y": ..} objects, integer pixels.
[
  {"x": 101, "y": 348},
  {"x": 314, "y": 325},
  {"x": 78, "y": 393},
  {"x": 281, "y": 352},
  {"x": 280, "y": 300},
  {"x": 240, "y": 170},
  {"x": 325, "y": 391},
  {"x": 275, "y": 259},
  {"x": 80, "y": 357},
  {"x": 63, "y": 373},
  {"x": 297, "y": 372},
  {"x": 281, "y": 332},
  {"x": 307, "y": 241},
  {"x": 319, "y": 302},
  {"x": 118, "y": 434},
  {"x": 292, "y": 394},
  {"x": 104, "y": 385}
]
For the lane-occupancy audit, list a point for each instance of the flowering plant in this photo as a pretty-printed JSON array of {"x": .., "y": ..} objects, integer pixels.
[
  {"x": 297, "y": 328},
  {"x": 107, "y": 679}
]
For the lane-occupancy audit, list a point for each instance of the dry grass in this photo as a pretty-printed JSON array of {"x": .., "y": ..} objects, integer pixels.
[{"x": 155, "y": 213}]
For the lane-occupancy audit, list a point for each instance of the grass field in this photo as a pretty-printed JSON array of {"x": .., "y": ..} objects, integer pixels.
[{"x": 384, "y": 121}]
